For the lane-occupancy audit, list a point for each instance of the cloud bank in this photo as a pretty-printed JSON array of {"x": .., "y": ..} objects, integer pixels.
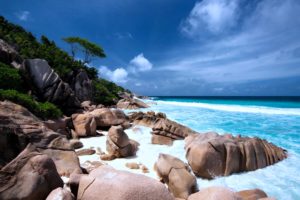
[{"x": 121, "y": 75}]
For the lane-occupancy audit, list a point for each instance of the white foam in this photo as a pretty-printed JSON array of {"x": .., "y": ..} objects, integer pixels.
[
  {"x": 237, "y": 108},
  {"x": 275, "y": 180}
]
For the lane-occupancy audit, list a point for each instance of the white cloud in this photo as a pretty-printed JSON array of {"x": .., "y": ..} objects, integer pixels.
[
  {"x": 265, "y": 47},
  {"x": 23, "y": 15},
  {"x": 139, "y": 64},
  {"x": 118, "y": 75},
  {"x": 214, "y": 15}
]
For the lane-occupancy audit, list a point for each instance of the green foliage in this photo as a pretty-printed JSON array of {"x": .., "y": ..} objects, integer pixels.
[
  {"x": 106, "y": 92},
  {"x": 43, "y": 110},
  {"x": 28, "y": 47},
  {"x": 10, "y": 78},
  {"x": 88, "y": 48}
]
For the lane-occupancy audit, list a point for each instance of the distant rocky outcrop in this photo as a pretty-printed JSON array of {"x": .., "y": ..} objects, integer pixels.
[
  {"x": 177, "y": 175},
  {"x": 118, "y": 145},
  {"x": 106, "y": 183},
  {"x": 211, "y": 155},
  {"x": 160, "y": 124},
  {"x": 31, "y": 175},
  {"x": 49, "y": 86},
  {"x": 131, "y": 104},
  {"x": 9, "y": 55},
  {"x": 18, "y": 127}
]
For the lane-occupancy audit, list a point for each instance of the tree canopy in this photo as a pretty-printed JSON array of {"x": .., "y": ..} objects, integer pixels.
[{"x": 89, "y": 49}]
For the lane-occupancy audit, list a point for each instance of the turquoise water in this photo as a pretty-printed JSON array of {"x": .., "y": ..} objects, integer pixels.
[{"x": 276, "y": 120}]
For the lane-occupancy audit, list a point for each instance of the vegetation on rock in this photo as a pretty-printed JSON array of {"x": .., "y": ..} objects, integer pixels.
[
  {"x": 44, "y": 110},
  {"x": 104, "y": 92},
  {"x": 10, "y": 78}
]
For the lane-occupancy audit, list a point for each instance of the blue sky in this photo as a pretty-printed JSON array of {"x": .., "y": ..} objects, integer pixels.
[{"x": 179, "y": 47}]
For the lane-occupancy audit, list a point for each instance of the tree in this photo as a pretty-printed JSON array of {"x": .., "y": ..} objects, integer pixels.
[{"x": 88, "y": 48}]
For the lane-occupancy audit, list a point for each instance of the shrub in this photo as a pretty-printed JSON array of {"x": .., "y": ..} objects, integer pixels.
[
  {"x": 44, "y": 110},
  {"x": 10, "y": 78}
]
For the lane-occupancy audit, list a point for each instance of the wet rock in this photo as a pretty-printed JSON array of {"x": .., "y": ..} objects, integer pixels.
[
  {"x": 211, "y": 155},
  {"x": 176, "y": 174}
]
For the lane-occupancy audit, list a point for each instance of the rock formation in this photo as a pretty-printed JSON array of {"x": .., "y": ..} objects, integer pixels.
[
  {"x": 31, "y": 175},
  {"x": 60, "y": 194},
  {"x": 81, "y": 85},
  {"x": 9, "y": 55},
  {"x": 18, "y": 127},
  {"x": 160, "y": 124},
  {"x": 49, "y": 85},
  {"x": 131, "y": 103},
  {"x": 177, "y": 175},
  {"x": 211, "y": 155},
  {"x": 106, "y": 183},
  {"x": 118, "y": 145},
  {"x": 218, "y": 192},
  {"x": 102, "y": 118}
]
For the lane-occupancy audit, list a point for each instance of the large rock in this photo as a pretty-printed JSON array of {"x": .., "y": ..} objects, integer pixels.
[
  {"x": 9, "y": 55},
  {"x": 18, "y": 127},
  {"x": 49, "y": 85},
  {"x": 118, "y": 145},
  {"x": 61, "y": 125},
  {"x": 253, "y": 194},
  {"x": 176, "y": 174},
  {"x": 84, "y": 124},
  {"x": 106, "y": 183},
  {"x": 219, "y": 192},
  {"x": 215, "y": 193},
  {"x": 131, "y": 103},
  {"x": 60, "y": 194},
  {"x": 105, "y": 117},
  {"x": 160, "y": 124},
  {"x": 211, "y": 155},
  {"x": 102, "y": 118},
  {"x": 29, "y": 176},
  {"x": 81, "y": 85}
]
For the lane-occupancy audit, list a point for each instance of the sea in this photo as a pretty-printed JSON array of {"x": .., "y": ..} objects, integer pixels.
[{"x": 276, "y": 119}]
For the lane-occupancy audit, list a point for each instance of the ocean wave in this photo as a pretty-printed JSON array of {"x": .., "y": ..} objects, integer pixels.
[{"x": 237, "y": 108}]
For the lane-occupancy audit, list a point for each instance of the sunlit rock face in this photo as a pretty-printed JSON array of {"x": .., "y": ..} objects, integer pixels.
[{"x": 211, "y": 155}]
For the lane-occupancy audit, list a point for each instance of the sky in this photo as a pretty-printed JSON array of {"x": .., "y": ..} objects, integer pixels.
[{"x": 179, "y": 47}]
